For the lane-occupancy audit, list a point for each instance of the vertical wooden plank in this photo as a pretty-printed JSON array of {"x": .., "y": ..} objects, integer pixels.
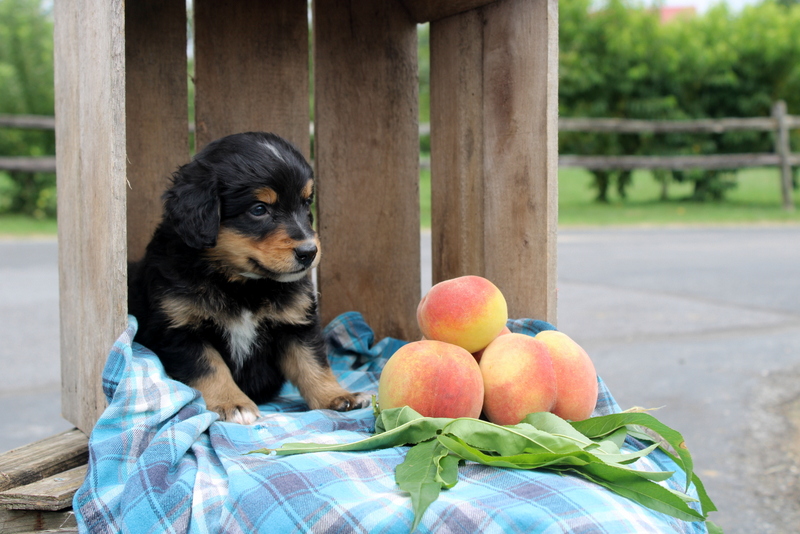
[
  {"x": 251, "y": 69},
  {"x": 367, "y": 160},
  {"x": 90, "y": 148},
  {"x": 156, "y": 110},
  {"x": 783, "y": 150},
  {"x": 521, "y": 147},
  {"x": 457, "y": 158},
  {"x": 494, "y": 145}
]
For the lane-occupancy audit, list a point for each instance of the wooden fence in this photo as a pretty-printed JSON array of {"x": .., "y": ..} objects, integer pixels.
[{"x": 780, "y": 123}]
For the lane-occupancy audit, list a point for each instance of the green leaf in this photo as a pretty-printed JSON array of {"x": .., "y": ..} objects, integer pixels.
[
  {"x": 640, "y": 490},
  {"x": 602, "y": 426},
  {"x": 553, "y": 424},
  {"x": 420, "y": 474},
  {"x": 612, "y": 443},
  {"x": 462, "y": 449},
  {"x": 448, "y": 470},
  {"x": 394, "y": 417},
  {"x": 403, "y": 427},
  {"x": 508, "y": 440},
  {"x": 705, "y": 501}
]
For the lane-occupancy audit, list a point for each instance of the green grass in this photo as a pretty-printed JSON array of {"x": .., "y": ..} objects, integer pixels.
[
  {"x": 22, "y": 226},
  {"x": 756, "y": 199}
]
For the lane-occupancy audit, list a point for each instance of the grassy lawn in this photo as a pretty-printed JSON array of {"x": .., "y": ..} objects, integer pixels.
[
  {"x": 756, "y": 199},
  {"x": 21, "y": 226}
]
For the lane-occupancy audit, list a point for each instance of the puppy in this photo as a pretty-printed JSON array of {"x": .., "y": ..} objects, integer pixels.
[{"x": 223, "y": 294}]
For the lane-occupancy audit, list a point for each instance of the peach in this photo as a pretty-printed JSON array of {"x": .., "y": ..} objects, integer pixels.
[
  {"x": 468, "y": 311},
  {"x": 434, "y": 378},
  {"x": 518, "y": 379},
  {"x": 576, "y": 378},
  {"x": 479, "y": 354}
]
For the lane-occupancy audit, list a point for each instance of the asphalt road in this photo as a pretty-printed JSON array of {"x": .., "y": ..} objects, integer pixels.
[{"x": 702, "y": 322}]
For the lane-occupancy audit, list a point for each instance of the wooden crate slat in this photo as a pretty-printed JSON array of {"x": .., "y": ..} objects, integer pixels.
[
  {"x": 521, "y": 153},
  {"x": 89, "y": 60},
  {"x": 25, "y": 521},
  {"x": 52, "y": 493},
  {"x": 367, "y": 162},
  {"x": 251, "y": 69},
  {"x": 427, "y": 11},
  {"x": 494, "y": 157},
  {"x": 43, "y": 458},
  {"x": 457, "y": 147},
  {"x": 156, "y": 108}
]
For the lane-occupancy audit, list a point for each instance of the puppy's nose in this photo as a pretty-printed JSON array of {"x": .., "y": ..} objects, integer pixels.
[{"x": 305, "y": 254}]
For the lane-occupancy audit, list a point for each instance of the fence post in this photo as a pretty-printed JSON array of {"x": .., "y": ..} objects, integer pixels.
[{"x": 782, "y": 148}]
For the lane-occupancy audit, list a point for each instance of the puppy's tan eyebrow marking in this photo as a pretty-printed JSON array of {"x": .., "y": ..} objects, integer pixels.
[
  {"x": 308, "y": 190},
  {"x": 267, "y": 195}
]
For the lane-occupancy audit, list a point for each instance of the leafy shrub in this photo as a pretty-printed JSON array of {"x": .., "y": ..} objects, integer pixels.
[{"x": 618, "y": 60}]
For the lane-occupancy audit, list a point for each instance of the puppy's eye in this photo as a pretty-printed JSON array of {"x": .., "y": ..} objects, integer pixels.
[
  {"x": 308, "y": 201},
  {"x": 258, "y": 210}
]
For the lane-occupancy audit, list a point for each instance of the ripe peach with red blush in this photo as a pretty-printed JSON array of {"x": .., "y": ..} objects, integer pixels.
[{"x": 468, "y": 311}]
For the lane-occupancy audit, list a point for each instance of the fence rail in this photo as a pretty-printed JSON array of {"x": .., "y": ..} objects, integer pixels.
[{"x": 780, "y": 122}]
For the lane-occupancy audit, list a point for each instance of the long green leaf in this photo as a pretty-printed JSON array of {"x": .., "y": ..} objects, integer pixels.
[
  {"x": 555, "y": 425},
  {"x": 601, "y": 426},
  {"x": 539, "y": 460},
  {"x": 640, "y": 490},
  {"x": 705, "y": 501},
  {"x": 509, "y": 440},
  {"x": 411, "y": 431},
  {"x": 420, "y": 475}
]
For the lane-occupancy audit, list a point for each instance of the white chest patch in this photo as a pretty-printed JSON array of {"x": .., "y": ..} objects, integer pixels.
[{"x": 241, "y": 332}]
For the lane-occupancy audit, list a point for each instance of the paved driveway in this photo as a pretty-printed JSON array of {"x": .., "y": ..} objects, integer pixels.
[{"x": 704, "y": 322}]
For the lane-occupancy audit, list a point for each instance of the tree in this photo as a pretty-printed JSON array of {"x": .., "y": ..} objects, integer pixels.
[{"x": 26, "y": 87}]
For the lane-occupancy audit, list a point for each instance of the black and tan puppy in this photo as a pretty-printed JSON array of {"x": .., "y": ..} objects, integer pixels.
[{"x": 223, "y": 294}]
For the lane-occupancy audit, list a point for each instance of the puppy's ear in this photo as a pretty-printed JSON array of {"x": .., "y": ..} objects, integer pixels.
[{"x": 192, "y": 205}]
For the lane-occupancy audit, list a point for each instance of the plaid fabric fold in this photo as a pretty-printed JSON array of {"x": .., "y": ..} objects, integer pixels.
[{"x": 160, "y": 462}]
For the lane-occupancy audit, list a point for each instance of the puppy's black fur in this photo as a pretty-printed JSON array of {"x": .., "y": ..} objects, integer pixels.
[{"x": 223, "y": 295}]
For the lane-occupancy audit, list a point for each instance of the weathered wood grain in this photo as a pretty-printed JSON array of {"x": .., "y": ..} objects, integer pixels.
[
  {"x": 367, "y": 162},
  {"x": 494, "y": 154},
  {"x": 156, "y": 106},
  {"x": 43, "y": 458},
  {"x": 427, "y": 10},
  {"x": 251, "y": 69},
  {"x": 457, "y": 147},
  {"x": 52, "y": 493},
  {"x": 26, "y": 521},
  {"x": 89, "y": 46}
]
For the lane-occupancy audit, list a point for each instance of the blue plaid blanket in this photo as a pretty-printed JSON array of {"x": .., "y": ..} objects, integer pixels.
[{"x": 160, "y": 462}]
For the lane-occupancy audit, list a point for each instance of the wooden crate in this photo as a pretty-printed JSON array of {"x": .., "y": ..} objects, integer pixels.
[
  {"x": 121, "y": 129},
  {"x": 38, "y": 481}
]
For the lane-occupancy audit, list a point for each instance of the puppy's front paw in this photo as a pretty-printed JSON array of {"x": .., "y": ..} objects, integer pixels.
[
  {"x": 350, "y": 401},
  {"x": 242, "y": 411}
]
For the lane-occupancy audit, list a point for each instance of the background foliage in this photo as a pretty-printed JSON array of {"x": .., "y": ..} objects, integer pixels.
[
  {"x": 617, "y": 59},
  {"x": 26, "y": 87}
]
